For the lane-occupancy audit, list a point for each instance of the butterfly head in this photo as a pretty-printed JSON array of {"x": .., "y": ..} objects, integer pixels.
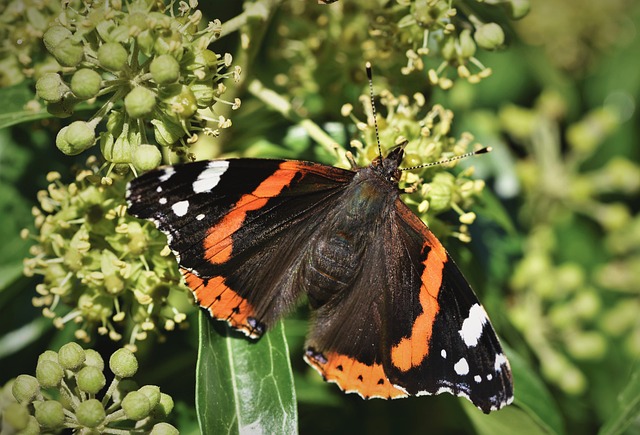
[{"x": 388, "y": 167}]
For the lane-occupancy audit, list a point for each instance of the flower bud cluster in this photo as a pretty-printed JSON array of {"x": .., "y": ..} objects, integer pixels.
[
  {"x": 428, "y": 133},
  {"x": 64, "y": 393},
  {"x": 587, "y": 311},
  {"x": 22, "y": 24},
  {"x": 151, "y": 69},
  {"x": 102, "y": 270}
]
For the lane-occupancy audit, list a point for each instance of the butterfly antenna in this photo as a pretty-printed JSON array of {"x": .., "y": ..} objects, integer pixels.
[
  {"x": 373, "y": 107},
  {"x": 452, "y": 159}
]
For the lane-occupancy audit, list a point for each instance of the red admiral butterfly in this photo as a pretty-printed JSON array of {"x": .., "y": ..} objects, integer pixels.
[{"x": 393, "y": 315}]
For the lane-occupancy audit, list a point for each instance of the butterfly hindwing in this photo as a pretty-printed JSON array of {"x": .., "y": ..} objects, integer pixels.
[
  {"x": 232, "y": 224},
  {"x": 445, "y": 343}
]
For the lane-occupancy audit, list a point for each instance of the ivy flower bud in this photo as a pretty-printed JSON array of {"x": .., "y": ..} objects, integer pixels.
[
  {"x": 90, "y": 413},
  {"x": 49, "y": 414},
  {"x": 140, "y": 102},
  {"x": 166, "y": 132},
  {"x": 163, "y": 429},
  {"x": 94, "y": 359},
  {"x": 49, "y": 373},
  {"x": 165, "y": 69},
  {"x": 25, "y": 389},
  {"x": 136, "y": 405},
  {"x": 146, "y": 158},
  {"x": 123, "y": 363},
  {"x": 71, "y": 356},
  {"x": 467, "y": 44},
  {"x": 153, "y": 394},
  {"x": 68, "y": 52},
  {"x": 85, "y": 83},
  {"x": 15, "y": 416},
  {"x": 112, "y": 56},
  {"x": 182, "y": 102},
  {"x": 50, "y": 87},
  {"x": 489, "y": 36},
  {"x": 54, "y": 36},
  {"x": 90, "y": 380},
  {"x": 80, "y": 136},
  {"x": 164, "y": 407}
]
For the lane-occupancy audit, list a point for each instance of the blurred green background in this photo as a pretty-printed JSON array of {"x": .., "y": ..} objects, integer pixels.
[{"x": 555, "y": 251}]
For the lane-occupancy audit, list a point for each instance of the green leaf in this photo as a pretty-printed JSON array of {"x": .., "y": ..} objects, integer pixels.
[
  {"x": 534, "y": 411},
  {"x": 507, "y": 421},
  {"x": 628, "y": 410},
  {"x": 14, "y": 100},
  {"x": 244, "y": 386}
]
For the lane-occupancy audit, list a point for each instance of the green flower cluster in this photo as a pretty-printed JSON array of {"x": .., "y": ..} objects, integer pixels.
[
  {"x": 22, "y": 24},
  {"x": 153, "y": 64},
  {"x": 427, "y": 133},
  {"x": 437, "y": 36},
  {"x": 63, "y": 395},
  {"x": 101, "y": 267},
  {"x": 585, "y": 309},
  {"x": 442, "y": 29}
]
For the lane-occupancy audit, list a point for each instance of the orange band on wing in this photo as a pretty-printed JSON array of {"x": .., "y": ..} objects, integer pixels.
[
  {"x": 222, "y": 302},
  {"x": 411, "y": 352},
  {"x": 352, "y": 376},
  {"x": 218, "y": 243}
]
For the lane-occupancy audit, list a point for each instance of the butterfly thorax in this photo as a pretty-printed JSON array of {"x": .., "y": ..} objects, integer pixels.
[{"x": 335, "y": 258}]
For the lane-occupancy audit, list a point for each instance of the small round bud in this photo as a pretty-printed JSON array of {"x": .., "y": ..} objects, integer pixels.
[
  {"x": 15, "y": 416},
  {"x": 164, "y": 407},
  {"x": 140, "y": 102},
  {"x": 63, "y": 108},
  {"x": 489, "y": 36},
  {"x": 182, "y": 102},
  {"x": 146, "y": 157},
  {"x": 90, "y": 380},
  {"x": 136, "y": 405},
  {"x": 71, "y": 356},
  {"x": 467, "y": 44},
  {"x": 94, "y": 359},
  {"x": 113, "y": 56},
  {"x": 90, "y": 413},
  {"x": 49, "y": 373},
  {"x": 50, "y": 87},
  {"x": 85, "y": 83},
  {"x": 25, "y": 389},
  {"x": 166, "y": 132},
  {"x": 165, "y": 69},
  {"x": 153, "y": 394},
  {"x": 123, "y": 363},
  {"x": 448, "y": 49},
  {"x": 80, "y": 135},
  {"x": 49, "y": 414},
  {"x": 54, "y": 36},
  {"x": 48, "y": 355},
  {"x": 68, "y": 52},
  {"x": 163, "y": 429}
]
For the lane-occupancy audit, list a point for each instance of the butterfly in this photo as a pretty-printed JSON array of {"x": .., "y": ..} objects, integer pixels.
[{"x": 393, "y": 315}]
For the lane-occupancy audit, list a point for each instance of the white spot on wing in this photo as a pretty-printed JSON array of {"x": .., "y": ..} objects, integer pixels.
[
  {"x": 180, "y": 208},
  {"x": 167, "y": 173},
  {"x": 210, "y": 177},
  {"x": 477, "y": 378},
  {"x": 159, "y": 189},
  {"x": 500, "y": 361},
  {"x": 461, "y": 367},
  {"x": 443, "y": 353},
  {"x": 200, "y": 217},
  {"x": 473, "y": 325},
  {"x": 162, "y": 201}
]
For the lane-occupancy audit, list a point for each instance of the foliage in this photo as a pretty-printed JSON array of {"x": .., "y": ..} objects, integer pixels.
[{"x": 546, "y": 226}]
